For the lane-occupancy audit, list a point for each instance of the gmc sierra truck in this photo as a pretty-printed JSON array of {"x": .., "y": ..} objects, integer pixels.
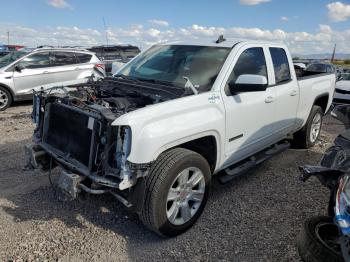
[{"x": 154, "y": 134}]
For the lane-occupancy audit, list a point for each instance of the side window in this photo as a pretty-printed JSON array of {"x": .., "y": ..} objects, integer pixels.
[
  {"x": 280, "y": 65},
  {"x": 38, "y": 60},
  {"x": 251, "y": 61},
  {"x": 83, "y": 58},
  {"x": 63, "y": 58}
]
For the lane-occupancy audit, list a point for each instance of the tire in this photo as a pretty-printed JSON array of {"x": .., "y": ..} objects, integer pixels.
[
  {"x": 303, "y": 138},
  {"x": 165, "y": 174},
  {"x": 312, "y": 244},
  {"x": 5, "y": 98}
]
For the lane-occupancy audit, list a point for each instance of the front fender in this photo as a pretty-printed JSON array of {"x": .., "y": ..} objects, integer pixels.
[{"x": 165, "y": 125}]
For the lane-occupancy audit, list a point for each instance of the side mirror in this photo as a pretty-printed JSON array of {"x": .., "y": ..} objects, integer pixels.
[
  {"x": 19, "y": 68},
  {"x": 248, "y": 83}
]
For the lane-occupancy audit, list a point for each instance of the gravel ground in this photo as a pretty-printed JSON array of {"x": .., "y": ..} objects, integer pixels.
[{"x": 254, "y": 218}]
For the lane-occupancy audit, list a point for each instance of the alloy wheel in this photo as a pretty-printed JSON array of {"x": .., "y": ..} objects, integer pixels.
[{"x": 185, "y": 196}]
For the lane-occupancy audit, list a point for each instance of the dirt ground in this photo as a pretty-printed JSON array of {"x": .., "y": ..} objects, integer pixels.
[{"x": 254, "y": 218}]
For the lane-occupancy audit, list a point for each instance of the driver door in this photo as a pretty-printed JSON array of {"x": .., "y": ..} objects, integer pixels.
[
  {"x": 249, "y": 115},
  {"x": 35, "y": 72}
]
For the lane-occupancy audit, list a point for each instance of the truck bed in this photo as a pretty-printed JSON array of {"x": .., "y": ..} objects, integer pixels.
[
  {"x": 311, "y": 86},
  {"x": 309, "y": 74}
]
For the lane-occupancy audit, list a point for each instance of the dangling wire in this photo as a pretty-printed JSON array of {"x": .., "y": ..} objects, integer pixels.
[{"x": 50, "y": 178}]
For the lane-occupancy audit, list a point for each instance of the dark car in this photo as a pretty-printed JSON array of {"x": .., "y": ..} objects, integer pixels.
[
  {"x": 3, "y": 50},
  {"x": 320, "y": 67},
  {"x": 114, "y": 53}
]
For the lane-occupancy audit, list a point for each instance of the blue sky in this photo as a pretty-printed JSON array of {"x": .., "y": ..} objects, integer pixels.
[{"x": 299, "y": 23}]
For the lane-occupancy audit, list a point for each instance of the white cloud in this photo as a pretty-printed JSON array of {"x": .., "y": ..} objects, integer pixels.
[
  {"x": 326, "y": 29},
  {"x": 338, "y": 11},
  {"x": 59, "y": 4},
  {"x": 284, "y": 18},
  {"x": 158, "y": 22},
  {"x": 253, "y": 2},
  {"x": 322, "y": 40}
]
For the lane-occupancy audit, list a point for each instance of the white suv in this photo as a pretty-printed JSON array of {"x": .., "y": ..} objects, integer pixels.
[{"x": 28, "y": 69}]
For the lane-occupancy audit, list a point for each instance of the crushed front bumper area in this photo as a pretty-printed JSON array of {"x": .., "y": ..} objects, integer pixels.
[{"x": 73, "y": 180}]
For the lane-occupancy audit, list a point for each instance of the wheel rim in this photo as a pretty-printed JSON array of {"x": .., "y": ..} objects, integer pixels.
[
  {"x": 315, "y": 127},
  {"x": 185, "y": 196},
  {"x": 3, "y": 99},
  {"x": 328, "y": 234}
]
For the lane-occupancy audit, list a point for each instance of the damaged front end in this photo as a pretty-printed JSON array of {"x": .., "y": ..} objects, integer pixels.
[{"x": 74, "y": 130}]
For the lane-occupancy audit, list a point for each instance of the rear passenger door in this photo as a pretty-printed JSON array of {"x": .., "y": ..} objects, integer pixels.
[
  {"x": 286, "y": 91},
  {"x": 64, "y": 66}
]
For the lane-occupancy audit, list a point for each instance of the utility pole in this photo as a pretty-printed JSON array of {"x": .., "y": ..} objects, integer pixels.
[
  {"x": 333, "y": 55},
  {"x": 105, "y": 26},
  {"x": 8, "y": 37}
]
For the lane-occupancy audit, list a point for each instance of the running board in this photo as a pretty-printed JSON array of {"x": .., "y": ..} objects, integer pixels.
[{"x": 246, "y": 165}]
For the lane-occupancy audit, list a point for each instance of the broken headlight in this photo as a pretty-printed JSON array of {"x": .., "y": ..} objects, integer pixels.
[
  {"x": 342, "y": 206},
  {"x": 120, "y": 147},
  {"x": 36, "y": 109}
]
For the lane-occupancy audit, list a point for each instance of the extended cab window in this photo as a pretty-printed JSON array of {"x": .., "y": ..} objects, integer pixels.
[
  {"x": 251, "y": 61},
  {"x": 63, "y": 58},
  {"x": 38, "y": 60},
  {"x": 280, "y": 65}
]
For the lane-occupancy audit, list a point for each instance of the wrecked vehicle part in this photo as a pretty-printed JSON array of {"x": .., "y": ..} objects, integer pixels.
[{"x": 74, "y": 128}]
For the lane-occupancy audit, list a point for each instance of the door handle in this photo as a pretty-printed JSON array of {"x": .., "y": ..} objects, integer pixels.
[
  {"x": 46, "y": 72},
  {"x": 77, "y": 68},
  {"x": 293, "y": 93},
  {"x": 269, "y": 99}
]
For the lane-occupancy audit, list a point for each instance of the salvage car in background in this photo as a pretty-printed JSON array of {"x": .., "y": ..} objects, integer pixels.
[
  {"x": 3, "y": 50},
  {"x": 327, "y": 238},
  {"x": 115, "y": 56},
  {"x": 320, "y": 67},
  {"x": 153, "y": 135},
  {"x": 27, "y": 69},
  {"x": 342, "y": 90}
]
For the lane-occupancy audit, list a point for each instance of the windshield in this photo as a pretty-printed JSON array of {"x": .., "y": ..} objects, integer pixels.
[
  {"x": 171, "y": 63},
  {"x": 11, "y": 57}
]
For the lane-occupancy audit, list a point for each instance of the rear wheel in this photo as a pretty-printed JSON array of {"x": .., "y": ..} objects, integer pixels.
[
  {"x": 176, "y": 192},
  {"x": 309, "y": 134},
  {"x": 5, "y": 99},
  {"x": 319, "y": 241}
]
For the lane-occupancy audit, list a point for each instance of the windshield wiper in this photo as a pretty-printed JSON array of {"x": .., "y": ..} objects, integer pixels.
[
  {"x": 140, "y": 80},
  {"x": 126, "y": 77},
  {"x": 156, "y": 81},
  {"x": 150, "y": 80}
]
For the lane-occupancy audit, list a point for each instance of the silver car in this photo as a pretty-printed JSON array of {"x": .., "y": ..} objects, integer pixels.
[{"x": 28, "y": 69}]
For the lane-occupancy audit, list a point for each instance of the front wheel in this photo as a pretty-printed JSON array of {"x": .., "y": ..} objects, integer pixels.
[
  {"x": 177, "y": 190},
  {"x": 319, "y": 241},
  {"x": 5, "y": 99}
]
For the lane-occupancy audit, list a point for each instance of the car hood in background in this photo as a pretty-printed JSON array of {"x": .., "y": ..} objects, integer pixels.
[{"x": 343, "y": 85}]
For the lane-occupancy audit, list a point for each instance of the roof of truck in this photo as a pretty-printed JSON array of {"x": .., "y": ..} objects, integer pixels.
[{"x": 212, "y": 42}]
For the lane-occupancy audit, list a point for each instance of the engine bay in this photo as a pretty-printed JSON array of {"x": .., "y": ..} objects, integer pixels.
[
  {"x": 112, "y": 96},
  {"x": 74, "y": 128}
]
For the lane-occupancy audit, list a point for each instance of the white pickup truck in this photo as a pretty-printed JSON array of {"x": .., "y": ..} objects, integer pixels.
[{"x": 177, "y": 114}]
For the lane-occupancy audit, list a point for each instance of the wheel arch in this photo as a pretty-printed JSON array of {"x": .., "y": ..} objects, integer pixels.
[
  {"x": 9, "y": 90},
  {"x": 322, "y": 101},
  {"x": 208, "y": 146},
  {"x": 205, "y": 146}
]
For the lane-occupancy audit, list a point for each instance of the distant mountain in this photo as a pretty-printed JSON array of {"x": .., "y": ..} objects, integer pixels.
[{"x": 341, "y": 56}]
